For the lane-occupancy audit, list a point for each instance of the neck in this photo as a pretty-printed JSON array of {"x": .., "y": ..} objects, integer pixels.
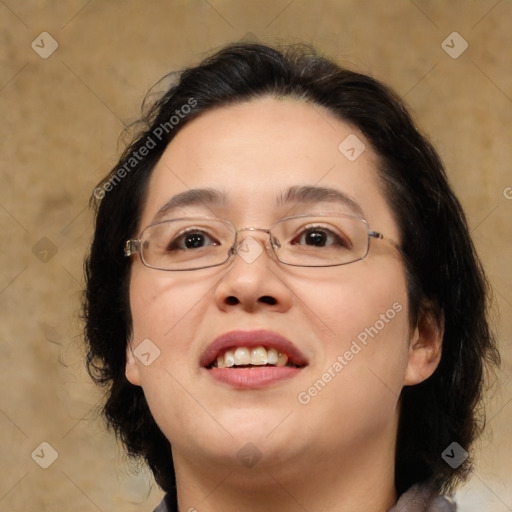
[{"x": 357, "y": 480}]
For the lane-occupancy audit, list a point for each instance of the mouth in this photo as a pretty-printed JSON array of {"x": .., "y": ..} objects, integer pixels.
[
  {"x": 257, "y": 357},
  {"x": 251, "y": 359}
]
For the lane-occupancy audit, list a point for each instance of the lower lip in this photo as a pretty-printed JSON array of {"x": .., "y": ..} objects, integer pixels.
[{"x": 253, "y": 378}]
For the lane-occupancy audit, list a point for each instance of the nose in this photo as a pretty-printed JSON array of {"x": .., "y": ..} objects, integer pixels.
[{"x": 254, "y": 279}]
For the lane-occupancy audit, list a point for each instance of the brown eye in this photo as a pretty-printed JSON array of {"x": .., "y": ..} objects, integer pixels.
[
  {"x": 321, "y": 237},
  {"x": 193, "y": 239}
]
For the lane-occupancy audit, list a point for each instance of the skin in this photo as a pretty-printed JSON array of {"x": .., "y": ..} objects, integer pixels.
[{"x": 335, "y": 453}]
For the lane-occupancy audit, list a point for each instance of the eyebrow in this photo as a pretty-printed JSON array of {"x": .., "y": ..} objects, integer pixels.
[{"x": 207, "y": 197}]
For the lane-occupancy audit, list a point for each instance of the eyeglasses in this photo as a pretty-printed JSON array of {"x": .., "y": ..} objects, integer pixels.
[{"x": 322, "y": 240}]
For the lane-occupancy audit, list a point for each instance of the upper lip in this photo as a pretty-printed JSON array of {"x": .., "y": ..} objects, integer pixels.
[{"x": 251, "y": 339}]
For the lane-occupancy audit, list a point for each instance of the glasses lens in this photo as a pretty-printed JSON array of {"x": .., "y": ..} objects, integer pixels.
[
  {"x": 321, "y": 240},
  {"x": 186, "y": 244}
]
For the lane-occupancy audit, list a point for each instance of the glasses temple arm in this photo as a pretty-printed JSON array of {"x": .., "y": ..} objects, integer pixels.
[{"x": 131, "y": 247}]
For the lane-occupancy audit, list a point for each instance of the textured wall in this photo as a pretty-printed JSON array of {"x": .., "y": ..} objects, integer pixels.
[{"x": 60, "y": 120}]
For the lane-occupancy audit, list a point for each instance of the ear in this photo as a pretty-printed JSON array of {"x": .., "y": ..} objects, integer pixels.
[
  {"x": 425, "y": 346},
  {"x": 132, "y": 368}
]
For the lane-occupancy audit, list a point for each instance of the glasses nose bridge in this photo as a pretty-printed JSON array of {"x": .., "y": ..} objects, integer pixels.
[
  {"x": 238, "y": 242},
  {"x": 265, "y": 230}
]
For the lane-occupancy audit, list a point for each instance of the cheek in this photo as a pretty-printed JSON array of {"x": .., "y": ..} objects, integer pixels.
[
  {"x": 161, "y": 304},
  {"x": 165, "y": 312},
  {"x": 365, "y": 342},
  {"x": 365, "y": 303}
]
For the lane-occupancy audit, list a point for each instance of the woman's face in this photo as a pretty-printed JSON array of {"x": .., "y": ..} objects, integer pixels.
[{"x": 349, "y": 322}]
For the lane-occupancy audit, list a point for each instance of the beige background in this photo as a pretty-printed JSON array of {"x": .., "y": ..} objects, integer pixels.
[{"x": 60, "y": 122}]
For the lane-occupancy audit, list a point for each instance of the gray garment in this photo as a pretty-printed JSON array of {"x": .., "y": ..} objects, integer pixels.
[
  {"x": 419, "y": 498},
  {"x": 168, "y": 504}
]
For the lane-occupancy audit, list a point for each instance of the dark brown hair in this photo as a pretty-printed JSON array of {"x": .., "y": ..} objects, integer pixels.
[{"x": 443, "y": 270}]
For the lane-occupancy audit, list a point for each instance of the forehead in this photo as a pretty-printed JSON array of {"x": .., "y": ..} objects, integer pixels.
[{"x": 254, "y": 153}]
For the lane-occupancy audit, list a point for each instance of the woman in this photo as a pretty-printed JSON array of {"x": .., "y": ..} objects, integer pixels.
[{"x": 283, "y": 297}]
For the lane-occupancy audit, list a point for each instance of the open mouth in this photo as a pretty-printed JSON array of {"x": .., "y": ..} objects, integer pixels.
[
  {"x": 252, "y": 359},
  {"x": 255, "y": 357}
]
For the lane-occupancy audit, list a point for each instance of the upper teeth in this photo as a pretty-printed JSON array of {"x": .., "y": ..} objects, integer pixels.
[{"x": 258, "y": 356}]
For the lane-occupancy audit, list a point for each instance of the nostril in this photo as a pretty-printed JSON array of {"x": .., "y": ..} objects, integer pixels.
[
  {"x": 231, "y": 301},
  {"x": 268, "y": 300}
]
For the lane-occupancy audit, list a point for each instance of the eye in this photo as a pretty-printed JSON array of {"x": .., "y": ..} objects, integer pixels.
[
  {"x": 318, "y": 236},
  {"x": 191, "y": 239}
]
